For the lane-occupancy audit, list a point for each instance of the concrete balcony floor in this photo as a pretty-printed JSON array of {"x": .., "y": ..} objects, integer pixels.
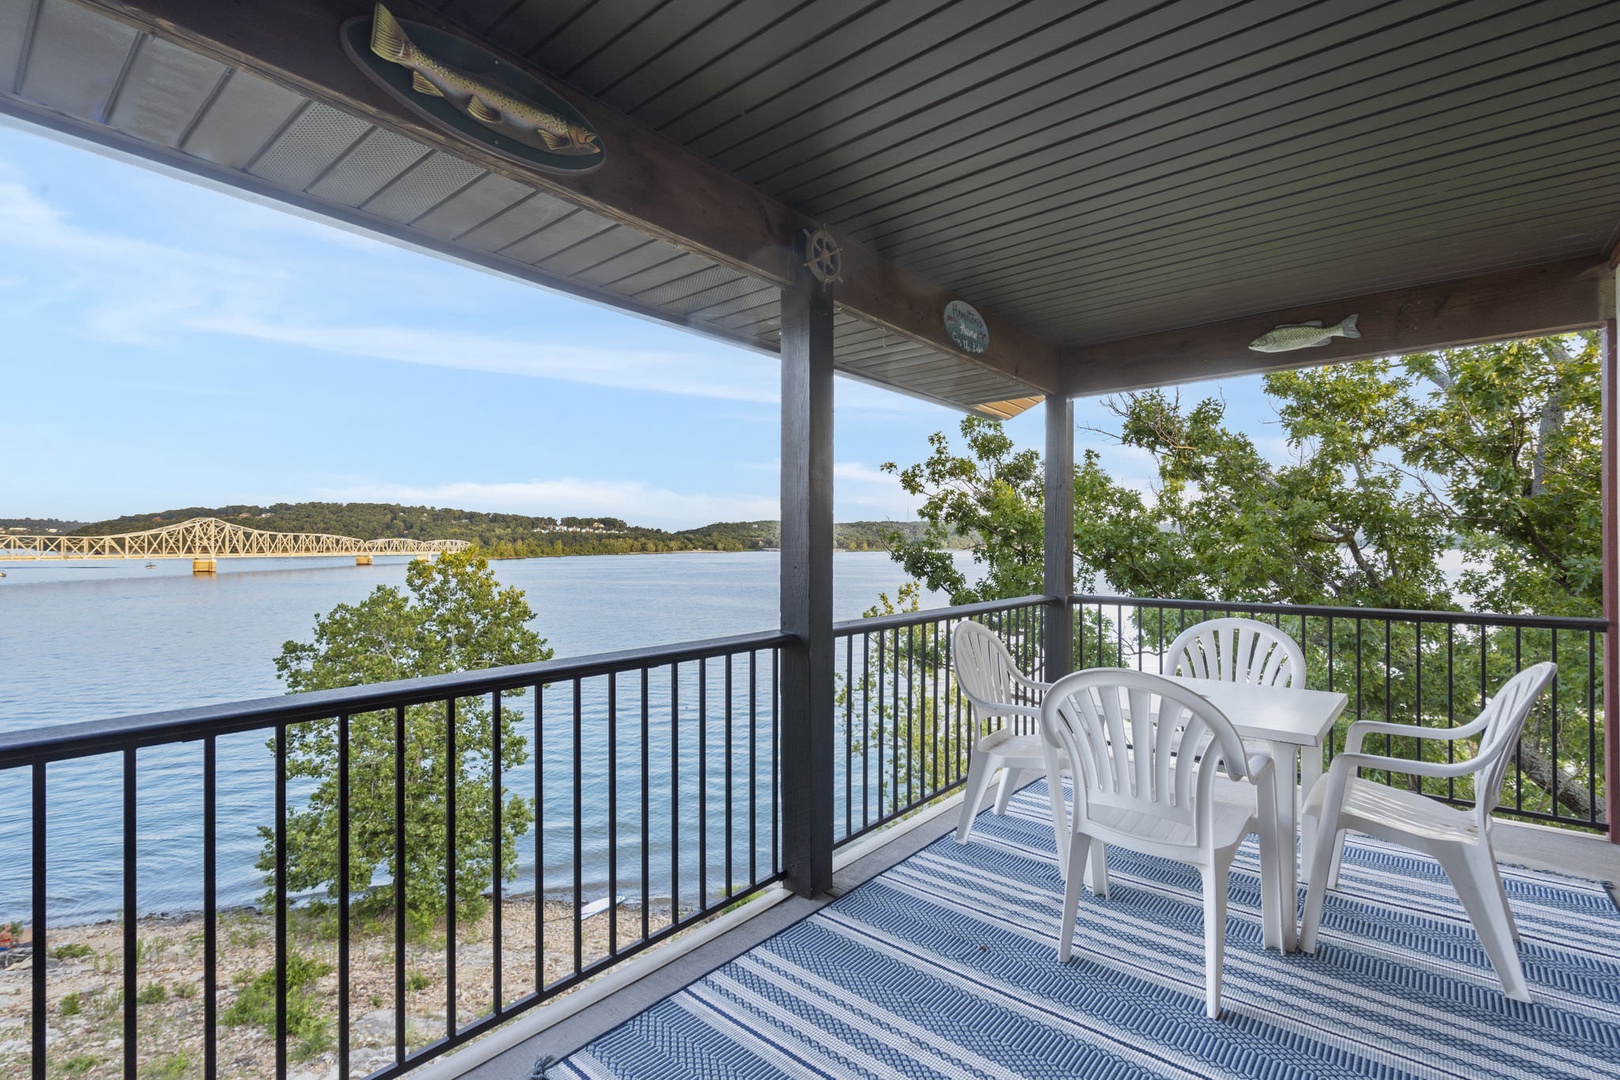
[{"x": 567, "y": 1025}]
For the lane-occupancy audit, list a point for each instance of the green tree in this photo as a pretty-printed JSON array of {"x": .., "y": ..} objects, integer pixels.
[
  {"x": 1491, "y": 451},
  {"x": 452, "y": 616}
]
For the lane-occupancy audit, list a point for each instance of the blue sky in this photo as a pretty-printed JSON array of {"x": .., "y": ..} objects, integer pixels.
[{"x": 166, "y": 344}]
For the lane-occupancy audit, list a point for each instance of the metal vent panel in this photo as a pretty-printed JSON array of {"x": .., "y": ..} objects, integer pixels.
[
  {"x": 378, "y": 158},
  {"x": 309, "y": 146},
  {"x": 724, "y": 287},
  {"x": 657, "y": 283},
  {"x": 649, "y": 257},
  {"x": 244, "y": 117},
  {"x": 14, "y": 17},
  {"x": 558, "y": 236},
  {"x": 165, "y": 90},
  {"x": 513, "y": 224},
  {"x": 590, "y": 253},
  {"x": 76, "y": 60},
  {"x": 430, "y": 183},
  {"x": 470, "y": 207}
]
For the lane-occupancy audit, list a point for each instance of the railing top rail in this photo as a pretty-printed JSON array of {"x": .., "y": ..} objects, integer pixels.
[
  {"x": 1462, "y": 618},
  {"x": 915, "y": 618},
  {"x": 92, "y": 737}
]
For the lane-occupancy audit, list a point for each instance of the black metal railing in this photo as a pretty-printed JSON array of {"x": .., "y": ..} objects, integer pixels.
[
  {"x": 583, "y": 810},
  {"x": 650, "y": 777},
  {"x": 902, "y": 730},
  {"x": 1435, "y": 668}
]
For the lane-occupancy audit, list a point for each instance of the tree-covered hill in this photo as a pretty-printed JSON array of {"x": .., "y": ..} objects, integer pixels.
[{"x": 504, "y": 535}]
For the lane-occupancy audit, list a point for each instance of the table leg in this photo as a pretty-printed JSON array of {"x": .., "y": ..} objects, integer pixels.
[
  {"x": 1310, "y": 771},
  {"x": 1285, "y": 760}
]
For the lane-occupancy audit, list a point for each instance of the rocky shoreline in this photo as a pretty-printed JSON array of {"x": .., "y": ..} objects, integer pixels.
[{"x": 84, "y": 974}]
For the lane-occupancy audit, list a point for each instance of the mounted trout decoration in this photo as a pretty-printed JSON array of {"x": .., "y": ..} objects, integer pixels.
[
  {"x": 1307, "y": 335},
  {"x": 466, "y": 90}
]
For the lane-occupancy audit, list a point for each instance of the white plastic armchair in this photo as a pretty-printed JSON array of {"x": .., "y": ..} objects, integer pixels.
[
  {"x": 1161, "y": 770},
  {"x": 1236, "y": 650},
  {"x": 1459, "y": 839},
  {"x": 994, "y": 687}
]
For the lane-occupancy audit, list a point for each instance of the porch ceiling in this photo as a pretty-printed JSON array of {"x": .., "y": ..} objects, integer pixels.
[{"x": 1130, "y": 193}]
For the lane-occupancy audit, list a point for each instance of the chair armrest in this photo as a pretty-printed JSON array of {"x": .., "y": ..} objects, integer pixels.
[
  {"x": 1024, "y": 680},
  {"x": 1362, "y": 728},
  {"x": 1347, "y": 765}
]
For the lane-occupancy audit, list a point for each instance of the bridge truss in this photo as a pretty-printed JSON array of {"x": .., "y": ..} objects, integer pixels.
[{"x": 211, "y": 538}]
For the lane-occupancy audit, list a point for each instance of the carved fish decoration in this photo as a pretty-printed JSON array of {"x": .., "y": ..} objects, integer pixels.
[
  {"x": 484, "y": 101},
  {"x": 1307, "y": 335}
]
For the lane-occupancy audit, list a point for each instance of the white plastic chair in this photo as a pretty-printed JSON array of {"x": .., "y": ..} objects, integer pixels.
[
  {"x": 1459, "y": 839},
  {"x": 1160, "y": 770},
  {"x": 1236, "y": 650},
  {"x": 993, "y": 685}
]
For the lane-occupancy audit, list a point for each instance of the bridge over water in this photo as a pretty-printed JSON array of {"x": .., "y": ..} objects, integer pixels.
[{"x": 205, "y": 540}]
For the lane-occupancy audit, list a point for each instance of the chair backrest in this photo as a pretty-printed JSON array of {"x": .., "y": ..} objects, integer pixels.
[
  {"x": 1503, "y": 719},
  {"x": 984, "y": 667},
  {"x": 1146, "y": 752},
  {"x": 1236, "y": 650}
]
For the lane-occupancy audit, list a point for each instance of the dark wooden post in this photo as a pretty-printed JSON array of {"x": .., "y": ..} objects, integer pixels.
[
  {"x": 1059, "y": 645},
  {"x": 1611, "y": 582},
  {"x": 807, "y": 537}
]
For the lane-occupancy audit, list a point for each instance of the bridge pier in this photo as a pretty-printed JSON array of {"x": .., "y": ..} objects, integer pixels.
[
  {"x": 362, "y": 560},
  {"x": 204, "y": 566}
]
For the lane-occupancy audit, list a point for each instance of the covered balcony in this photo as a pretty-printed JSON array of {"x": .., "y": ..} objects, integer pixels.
[{"x": 993, "y": 207}]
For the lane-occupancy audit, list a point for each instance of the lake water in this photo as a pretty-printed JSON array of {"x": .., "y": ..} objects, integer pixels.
[{"x": 91, "y": 640}]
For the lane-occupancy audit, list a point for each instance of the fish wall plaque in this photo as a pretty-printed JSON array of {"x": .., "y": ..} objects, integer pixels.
[
  {"x": 1308, "y": 335},
  {"x": 464, "y": 89}
]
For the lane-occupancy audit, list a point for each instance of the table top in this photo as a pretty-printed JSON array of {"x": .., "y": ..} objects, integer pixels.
[{"x": 1279, "y": 714}]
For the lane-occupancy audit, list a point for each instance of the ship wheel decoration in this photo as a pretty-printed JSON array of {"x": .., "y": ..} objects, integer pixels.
[{"x": 823, "y": 255}]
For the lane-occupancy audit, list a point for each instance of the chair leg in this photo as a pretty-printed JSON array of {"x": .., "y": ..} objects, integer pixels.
[
  {"x": 1215, "y": 882},
  {"x": 1324, "y": 864},
  {"x": 1079, "y": 844},
  {"x": 1275, "y": 906},
  {"x": 1011, "y": 781},
  {"x": 1473, "y": 873},
  {"x": 1098, "y": 869},
  {"x": 1501, "y": 891},
  {"x": 1060, "y": 823},
  {"x": 1338, "y": 862},
  {"x": 980, "y": 768}
]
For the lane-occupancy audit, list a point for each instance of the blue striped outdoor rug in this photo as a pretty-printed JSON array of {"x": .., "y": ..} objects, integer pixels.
[{"x": 945, "y": 966}]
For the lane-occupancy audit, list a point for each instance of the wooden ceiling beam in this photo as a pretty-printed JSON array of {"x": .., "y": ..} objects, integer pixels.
[
  {"x": 646, "y": 181},
  {"x": 1529, "y": 302}
]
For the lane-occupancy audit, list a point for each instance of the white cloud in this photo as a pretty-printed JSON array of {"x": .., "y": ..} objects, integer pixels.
[{"x": 635, "y": 502}]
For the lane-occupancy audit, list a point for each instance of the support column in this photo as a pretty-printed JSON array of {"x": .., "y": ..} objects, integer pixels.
[
  {"x": 1611, "y": 579},
  {"x": 1059, "y": 644},
  {"x": 807, "y": 539}
]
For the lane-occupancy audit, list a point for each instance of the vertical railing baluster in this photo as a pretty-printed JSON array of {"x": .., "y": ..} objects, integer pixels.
[
  {"x": 400, "y": 735},
  {"x": 866, "y": 732},
  {"x": 849, "y": 735},
  {"x": 344, "y": 877},
  {"x": 753, "y": 765},
  {"x": 37, "y": 1015},
  {"x": 646, "y": 802},
  {"x": 730, "y": 809},
  {"x": 210, "y": 872},
  {"x": 281, "y": 909},
  {"x": 131, "y": 939},
  {"x": 703, "y": 783},
  {"x": 674, "y": 794},
  {"x": 579, "y": 824},
  {"x": 1591, "y": 724},
  {"x": 539, "y": 836},
  {"x": 1451, "y": 703},
  {"x": 1518, "y": 757},
  {"x": 497, "y": 873},
  {"x": 613, "y": 812},
  {"x": 450, "y": 883}
]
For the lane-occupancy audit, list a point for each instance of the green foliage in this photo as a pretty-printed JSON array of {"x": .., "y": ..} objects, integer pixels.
[
  {"x": 72, "y": 951},
  {"x": 152, "y": 994},
  {"x": 71, "y": 1004},
  {"x": 499, "y": 536},
  {"x": 417, "y": 980},
  {"x": 172, "y": 1067},
  {"x": 80, "y": 1063},
  {"x": 255, "y": 1004},
  {"x": 1492, "y": 451},
  {"x": 452, "y": 617}
]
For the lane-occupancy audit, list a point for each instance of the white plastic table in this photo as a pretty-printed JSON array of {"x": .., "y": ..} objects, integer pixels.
[{"x": 1296, "y": 723}]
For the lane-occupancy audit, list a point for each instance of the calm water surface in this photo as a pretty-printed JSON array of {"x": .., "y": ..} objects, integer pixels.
[{"x": 86, "y": 641}]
